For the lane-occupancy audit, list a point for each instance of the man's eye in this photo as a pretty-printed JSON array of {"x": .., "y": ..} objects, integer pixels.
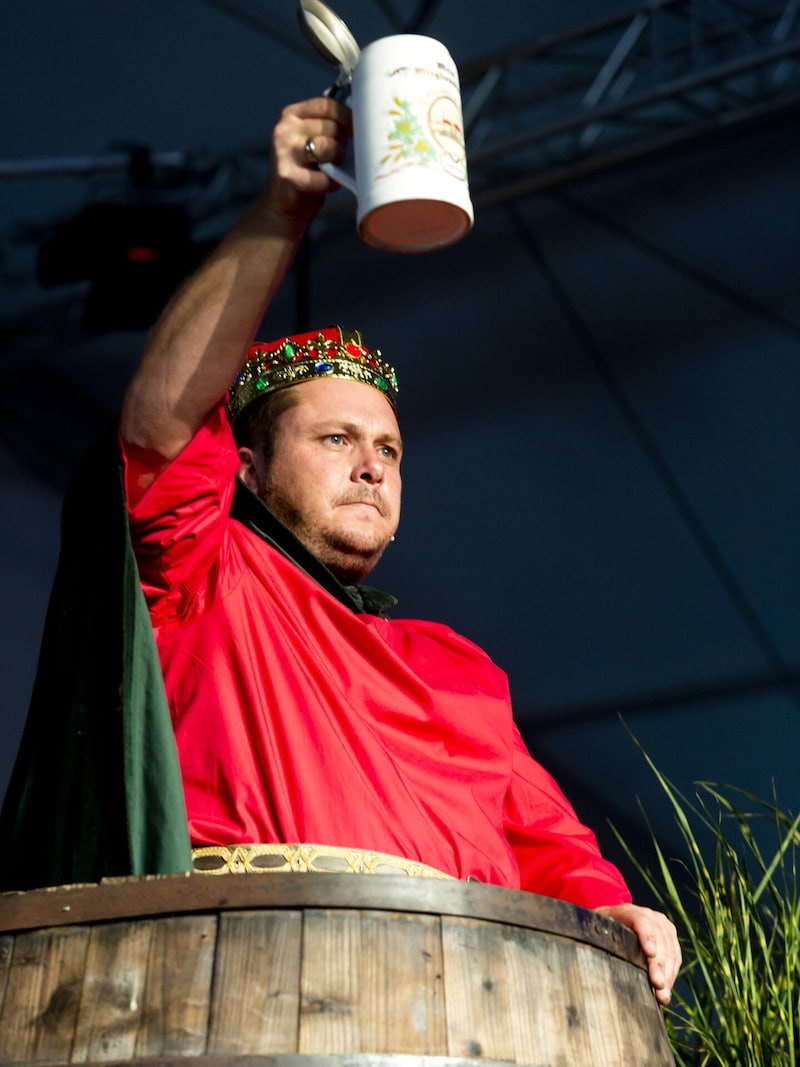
[
  {"x": 335, "y": 438},
  {"x": 387, "y": 452}
]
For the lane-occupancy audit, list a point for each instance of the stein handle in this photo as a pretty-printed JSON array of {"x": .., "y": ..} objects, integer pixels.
[{"x": 340, "y": 176}]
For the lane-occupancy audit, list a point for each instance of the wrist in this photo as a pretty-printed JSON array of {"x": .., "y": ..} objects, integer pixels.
[{"x": 268, "y": 217}]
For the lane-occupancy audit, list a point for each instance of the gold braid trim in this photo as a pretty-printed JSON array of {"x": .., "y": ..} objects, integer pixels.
[{"x": 323, "y": 859}]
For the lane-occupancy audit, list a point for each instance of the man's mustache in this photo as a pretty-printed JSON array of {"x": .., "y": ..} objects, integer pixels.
[{"x": 365, "y": 495}]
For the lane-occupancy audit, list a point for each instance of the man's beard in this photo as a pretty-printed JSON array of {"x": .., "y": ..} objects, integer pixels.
[{"x": 348, "y": 554}]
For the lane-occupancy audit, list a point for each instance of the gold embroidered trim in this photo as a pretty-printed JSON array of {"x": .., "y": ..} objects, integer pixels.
[{"x": 299, "y": 858}]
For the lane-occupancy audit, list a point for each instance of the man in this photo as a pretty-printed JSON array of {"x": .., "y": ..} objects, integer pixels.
[
  {"x": 327, "y": 465},
  {"x": 303, "y": 716}
]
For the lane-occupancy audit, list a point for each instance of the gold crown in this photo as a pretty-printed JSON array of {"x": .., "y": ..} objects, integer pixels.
[{"x": 328, "y": 353}]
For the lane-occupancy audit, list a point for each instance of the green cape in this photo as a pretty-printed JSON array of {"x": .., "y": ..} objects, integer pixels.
[{"x": 96, "y": 788}]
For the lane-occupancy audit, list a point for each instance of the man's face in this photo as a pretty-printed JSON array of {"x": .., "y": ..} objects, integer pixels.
[{"x": 334, "y": 480}]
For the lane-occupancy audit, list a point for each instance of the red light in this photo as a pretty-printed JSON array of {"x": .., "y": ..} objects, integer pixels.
[{"x": 142, "y": 254}]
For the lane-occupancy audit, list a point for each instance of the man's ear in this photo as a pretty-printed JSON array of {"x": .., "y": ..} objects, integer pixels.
[{"x": 248, "y": 471}]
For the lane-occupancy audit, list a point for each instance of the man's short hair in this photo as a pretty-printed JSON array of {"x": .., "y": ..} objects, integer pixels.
[{"x": 257, "y": 425}]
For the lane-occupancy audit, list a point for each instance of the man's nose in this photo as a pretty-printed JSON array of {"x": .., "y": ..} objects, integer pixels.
[{"x": 369, "y": 468}]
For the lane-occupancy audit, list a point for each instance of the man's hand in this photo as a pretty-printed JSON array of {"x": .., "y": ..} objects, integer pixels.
[
  {"x": 659, "y": 941},
  {"x": 296, "y": 186}
]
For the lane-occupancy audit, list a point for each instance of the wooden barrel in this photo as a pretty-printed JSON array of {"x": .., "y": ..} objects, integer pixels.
[{"x": 318, "y": 970}]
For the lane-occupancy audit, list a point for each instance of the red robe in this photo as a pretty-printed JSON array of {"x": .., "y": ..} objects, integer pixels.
[{"x": 300, "y": 720}]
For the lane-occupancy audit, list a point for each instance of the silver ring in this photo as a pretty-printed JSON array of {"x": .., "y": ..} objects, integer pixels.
[{"x": 310, "y": 151}]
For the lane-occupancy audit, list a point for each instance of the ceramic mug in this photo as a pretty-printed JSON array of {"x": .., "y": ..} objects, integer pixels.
[{"x": 410, "y": 160}]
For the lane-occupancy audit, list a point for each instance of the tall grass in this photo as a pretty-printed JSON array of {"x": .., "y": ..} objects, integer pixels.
[{"x": 736, "y": 903}]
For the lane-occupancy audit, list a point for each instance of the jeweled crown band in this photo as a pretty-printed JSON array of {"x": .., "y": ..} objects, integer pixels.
[{"x": 329, "y": 353}]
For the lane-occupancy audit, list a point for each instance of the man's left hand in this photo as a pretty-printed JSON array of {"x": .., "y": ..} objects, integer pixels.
[{"x": 659, "y": 940}]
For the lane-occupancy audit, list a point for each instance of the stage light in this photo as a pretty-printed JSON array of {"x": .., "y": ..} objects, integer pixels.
[{"x": 133, "y": 255}]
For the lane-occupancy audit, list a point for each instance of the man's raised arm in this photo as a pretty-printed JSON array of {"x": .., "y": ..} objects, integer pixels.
[{"x": 198, "y": 345}]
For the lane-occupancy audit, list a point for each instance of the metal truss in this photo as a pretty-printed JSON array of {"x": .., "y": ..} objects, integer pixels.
[
  {"x": 625, "y": 86},
  {"x": 537, "y": 115},
  {"x": 565, "y": 105}
]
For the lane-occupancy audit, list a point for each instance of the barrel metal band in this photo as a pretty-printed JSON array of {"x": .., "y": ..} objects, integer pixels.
[{"x": 299, "y": 858}]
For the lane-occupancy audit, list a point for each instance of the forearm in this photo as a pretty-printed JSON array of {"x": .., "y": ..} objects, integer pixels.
[{"x": 199, "y": 343}]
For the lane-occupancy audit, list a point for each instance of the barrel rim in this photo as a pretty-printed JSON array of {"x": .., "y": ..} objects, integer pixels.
[
  {"x": 313, "y": 1059},
  {"x": 118, "y": 899}
]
